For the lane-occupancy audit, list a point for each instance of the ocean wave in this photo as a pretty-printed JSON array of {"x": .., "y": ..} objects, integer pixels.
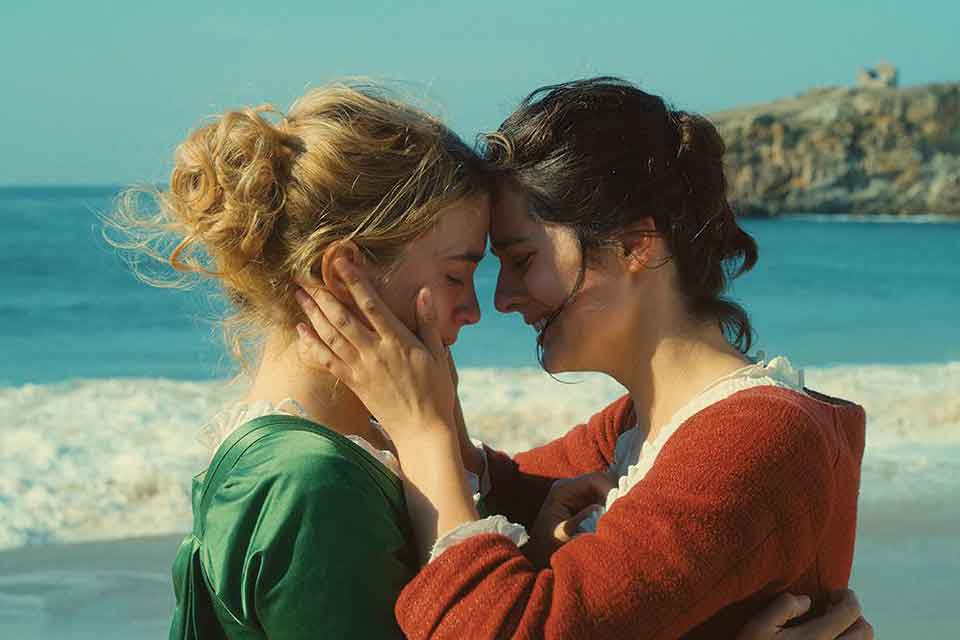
[{"x": 110, "y": 458}]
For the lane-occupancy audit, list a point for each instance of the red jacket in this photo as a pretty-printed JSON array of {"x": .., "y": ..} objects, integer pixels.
[{"x": 753, "y": 496}]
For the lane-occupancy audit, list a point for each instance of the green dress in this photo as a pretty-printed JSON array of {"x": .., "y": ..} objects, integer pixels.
[{"x": 298, "y": 533}]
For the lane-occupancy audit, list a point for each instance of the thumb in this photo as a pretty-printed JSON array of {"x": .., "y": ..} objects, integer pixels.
[
  {"x": 427, "y": 324},
  {"x": 772, "y": 619},
  {"x": 567, "y": 529}
]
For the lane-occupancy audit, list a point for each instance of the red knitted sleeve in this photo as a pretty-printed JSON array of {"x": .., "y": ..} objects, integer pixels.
[
  {"x": 519, "y": 485},
  {"x": 735, "y": 504}
]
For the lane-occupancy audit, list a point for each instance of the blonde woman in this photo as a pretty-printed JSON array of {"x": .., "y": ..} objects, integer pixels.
[
  {"x": 300, "y": 522},
  {"x": 300, "y": 527}
]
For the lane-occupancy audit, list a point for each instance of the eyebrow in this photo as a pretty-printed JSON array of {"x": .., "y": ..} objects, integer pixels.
[
  {"x": 497, "y": 247},
  {"x": 467, "y": 256}
]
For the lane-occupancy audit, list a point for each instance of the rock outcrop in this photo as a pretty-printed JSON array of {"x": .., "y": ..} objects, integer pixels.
[{"x": 845, "y": 150}]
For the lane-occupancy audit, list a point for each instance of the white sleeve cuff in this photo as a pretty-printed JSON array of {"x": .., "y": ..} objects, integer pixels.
[{"x": 492, "y": 524}]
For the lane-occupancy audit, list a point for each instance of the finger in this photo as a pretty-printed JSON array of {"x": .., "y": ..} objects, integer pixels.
[
  {"x": 844, "y": 597},
  {"x": 861, "y": 630},
  {"x": 324, "y": 329},
  {"x": 769, "y": 621},
  {"x": 371, "y": 305},
  {"x": 427, "y": 329},
  {"x": 314, "y": 353},
  {"x": 842, "y": 614},
  {"x": 339, "y": 315}
]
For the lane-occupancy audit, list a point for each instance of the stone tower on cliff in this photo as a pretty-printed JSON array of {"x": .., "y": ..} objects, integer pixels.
[{"x": 882, "y": 75}]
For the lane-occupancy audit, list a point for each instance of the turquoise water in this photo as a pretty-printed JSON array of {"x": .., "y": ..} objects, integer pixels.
[{"x": 843, "y": 291}]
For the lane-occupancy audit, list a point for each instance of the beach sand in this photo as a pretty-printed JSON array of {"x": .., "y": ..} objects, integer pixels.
[{"x": 121, "y": 589}]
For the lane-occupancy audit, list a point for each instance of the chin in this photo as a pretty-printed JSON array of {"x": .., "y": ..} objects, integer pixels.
[
  {"x": 562, "y": 367},
  {"x": 554, "y": 362},
  {"x": 558, "y": 360}
]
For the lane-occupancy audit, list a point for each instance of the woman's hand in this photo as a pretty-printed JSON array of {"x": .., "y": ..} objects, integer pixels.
[
  {"x": 569, "y": 501},
  {"x": 842, "y": 620},
  {"x": 405, "y": 382}
]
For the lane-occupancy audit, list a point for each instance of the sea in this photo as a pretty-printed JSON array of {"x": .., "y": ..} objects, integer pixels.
[{"x": 104, "y": 382}]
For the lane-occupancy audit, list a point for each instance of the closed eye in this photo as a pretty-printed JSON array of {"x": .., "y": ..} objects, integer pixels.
[
  {"x": 523, "y": 261},
  {"x": 454, "y": 281}
]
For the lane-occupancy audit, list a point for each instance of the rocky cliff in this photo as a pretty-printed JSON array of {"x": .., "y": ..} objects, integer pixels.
[{"x": 846, "y": 150}]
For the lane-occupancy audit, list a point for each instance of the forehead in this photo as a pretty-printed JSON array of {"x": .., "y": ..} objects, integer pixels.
[
  {"x": 461, "y": 229},
  {"x": 510, "y": 218}
]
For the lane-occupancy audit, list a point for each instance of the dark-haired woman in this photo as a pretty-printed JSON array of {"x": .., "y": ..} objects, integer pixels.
[{"x": 733, "y": 483}]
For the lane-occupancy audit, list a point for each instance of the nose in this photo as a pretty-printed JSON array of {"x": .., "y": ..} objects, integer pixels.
[
  {"x": 471, "y": 310},
  {"x": 507, "y": 294}
]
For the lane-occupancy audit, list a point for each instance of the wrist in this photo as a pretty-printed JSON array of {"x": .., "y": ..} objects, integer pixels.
[
  {"x": 438, "y": 496},
  {"x": 427, "y": 434}
]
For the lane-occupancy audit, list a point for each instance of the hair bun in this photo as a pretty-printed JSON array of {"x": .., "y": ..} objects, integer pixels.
[
  {"x": 700, "y": 151},
  {"x": 228, "y": 182}
]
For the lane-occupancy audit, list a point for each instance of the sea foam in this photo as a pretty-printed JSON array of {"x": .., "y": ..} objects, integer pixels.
[{"x": 97, "y": 459}]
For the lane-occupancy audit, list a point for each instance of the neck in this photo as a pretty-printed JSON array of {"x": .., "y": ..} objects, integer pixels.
[
  {"x": 281, "y": 375},
  {"x": 680, "y": 363}
]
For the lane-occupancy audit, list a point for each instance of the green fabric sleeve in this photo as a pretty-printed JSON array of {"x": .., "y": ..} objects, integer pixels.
[{"x": 305, "y": 541}]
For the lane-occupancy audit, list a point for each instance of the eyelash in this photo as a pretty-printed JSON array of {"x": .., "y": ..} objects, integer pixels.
[
  {"x": 523, "y": 262},
  {"x": 454, "y": 281}
]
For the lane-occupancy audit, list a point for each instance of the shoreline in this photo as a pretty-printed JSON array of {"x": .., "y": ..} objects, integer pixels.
[
  {"x": 103, "y": 590},
  {"x": 752, "y": 210}
]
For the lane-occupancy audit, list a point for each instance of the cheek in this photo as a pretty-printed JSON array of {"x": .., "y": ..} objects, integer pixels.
[
  {"x": 401, "y": 301},
  {"x": 546, "y": 286},
  {"x": 596, "y": 308},
  {"x": 448, "y": 305},
  {"x": 445, "y": 298}
]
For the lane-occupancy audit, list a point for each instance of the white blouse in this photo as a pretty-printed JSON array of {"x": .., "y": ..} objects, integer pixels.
[{"x": 634, "y": 455}]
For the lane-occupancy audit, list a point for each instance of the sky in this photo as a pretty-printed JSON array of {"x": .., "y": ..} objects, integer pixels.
[{"x": 101, "y": 92}]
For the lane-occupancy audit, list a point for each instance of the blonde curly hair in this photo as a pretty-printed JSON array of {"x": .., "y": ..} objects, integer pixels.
[{"x": 256, "y": 196}]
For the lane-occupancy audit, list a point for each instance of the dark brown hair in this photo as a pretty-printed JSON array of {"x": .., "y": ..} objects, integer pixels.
[{"x": 596, "y": 155}]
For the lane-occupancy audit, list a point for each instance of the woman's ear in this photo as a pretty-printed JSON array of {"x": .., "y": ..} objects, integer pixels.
[
  {"x": 641, "y": 244},
  {"x": 340, "y": 249}
]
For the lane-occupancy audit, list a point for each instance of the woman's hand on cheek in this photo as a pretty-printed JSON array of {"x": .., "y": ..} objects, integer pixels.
[{"x": 405, "y": 382}]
